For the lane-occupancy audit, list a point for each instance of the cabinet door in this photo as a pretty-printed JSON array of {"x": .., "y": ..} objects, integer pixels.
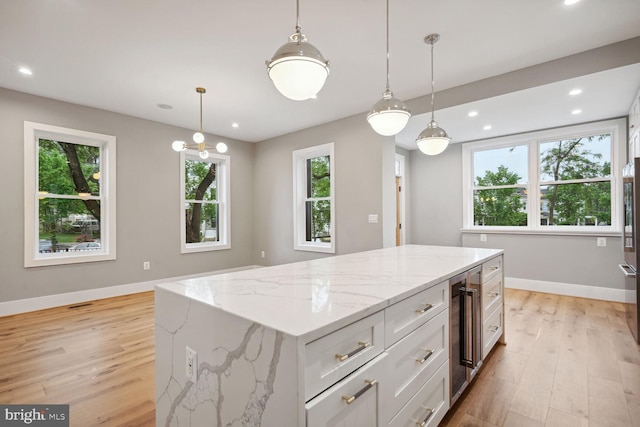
[
  {"x": 334, "y": 356},
  {"x": 414, "y": 359},
  {"x": 352, "y": 402},
  {"x": 429, "y": 405}
]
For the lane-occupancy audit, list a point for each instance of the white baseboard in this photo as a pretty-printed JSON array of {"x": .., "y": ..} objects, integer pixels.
[
  {"x": 49, "y": 301},
  {"x": 569, "y": 289}
]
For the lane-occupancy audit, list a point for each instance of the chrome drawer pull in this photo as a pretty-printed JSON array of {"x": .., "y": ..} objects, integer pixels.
[
  {"x": 494, "y": 294},
  {"x": 426, "y": 308},
  {"x": 363, "y": 345},
  {"x": 426, "y": 420},
  {"x": 493, "y": 328},
  {"x": 351, "y": 399},
  {"x": 494, "y": 267},
  {"x": 424, "y": 359}
]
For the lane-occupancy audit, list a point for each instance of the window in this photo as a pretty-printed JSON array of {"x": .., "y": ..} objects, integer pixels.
[
  {"x": 69, "y": 195},
  {"x": 204, "y": 212},
  {"x": 555, "y": 180},
  {"x": 314, "y": 206}
]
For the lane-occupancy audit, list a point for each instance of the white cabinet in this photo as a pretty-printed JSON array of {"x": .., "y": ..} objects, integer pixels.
[
  {"x": 492, "y": 304},
  {"x": 352, "y": 402},
  {"x": 414, "y": 359},
  {"x": 366, "y": 373},
  {"x": 429, "y": 405},
  {"x": 334, "y": 356},
  {"x": 406, "y": 315}
]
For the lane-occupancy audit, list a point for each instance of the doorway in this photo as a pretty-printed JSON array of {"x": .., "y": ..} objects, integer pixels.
[{"x": 400, "y": 200}]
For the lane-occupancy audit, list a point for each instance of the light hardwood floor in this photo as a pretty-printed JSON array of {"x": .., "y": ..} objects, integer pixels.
[
  {"x": 568, "y": 362},
  {"x": 98, "y": 358}
]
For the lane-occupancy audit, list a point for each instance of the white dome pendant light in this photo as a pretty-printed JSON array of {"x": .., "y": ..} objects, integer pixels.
[
  {"x": 298, "y": 70},
  {"x": 389, "y": 115},
  {"x": 433, "y": 140},
  {"x": 198, "y": 137}
]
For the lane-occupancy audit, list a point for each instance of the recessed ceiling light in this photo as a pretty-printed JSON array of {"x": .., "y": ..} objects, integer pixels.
[
  {"x": 235, "y": 125},
  {"x": 570, "y": 2},
  {"x": 472, "y": 113},
  {"x": 575, "y": 92},
  {"x": 576, "y": 111},
  {"x": 25, "y": 71},
  {"x": 165, "y": 106},
  {"x": 487, "y": 127}
]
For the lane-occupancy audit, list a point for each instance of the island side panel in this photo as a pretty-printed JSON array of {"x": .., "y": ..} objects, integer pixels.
[{"x": 247, "y": 373}]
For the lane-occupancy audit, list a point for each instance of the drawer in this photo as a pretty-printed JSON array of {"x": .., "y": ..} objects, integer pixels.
[
  {"x": 408, "y": 314},
  {"x": 491, "y": 268},
  {"x": 430, "y": 403},
  {"x": 362, "y": 387},
  {"x": 334, "y": 356},
  {"x": 492, "y": 295},
  {"x": 414, "y": 359},
  {"x": 492, "y": 329}
]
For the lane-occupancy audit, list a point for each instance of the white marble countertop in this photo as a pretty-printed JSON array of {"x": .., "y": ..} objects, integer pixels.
[{"x": 312, "y": 298}]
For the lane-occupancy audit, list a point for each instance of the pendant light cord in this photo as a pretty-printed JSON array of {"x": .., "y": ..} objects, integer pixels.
[
  {"x": 298, "y": 28},
  {"x": 388, "y": 46},
  {"x": 200, "y": 112},
  {"x": 432, "y": 84}
]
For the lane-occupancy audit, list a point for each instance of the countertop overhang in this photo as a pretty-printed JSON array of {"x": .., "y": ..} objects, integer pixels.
[{"x": 311, "y": 298}]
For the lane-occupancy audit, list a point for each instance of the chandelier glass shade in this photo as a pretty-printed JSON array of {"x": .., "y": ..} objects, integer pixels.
[
  {"x": 389, "y": 115},
  {"x": 297, "y": 69},
  {"x": 433, "y": 140},
  {"x": 198, "y": 138}
]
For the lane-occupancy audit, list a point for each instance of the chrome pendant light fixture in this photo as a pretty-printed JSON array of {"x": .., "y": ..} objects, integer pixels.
[
  {"x": 433, "y": 140},
  {"x": 389, "y": 115},
  {"x": 198, "y": 137},
  {"x": 298, "y": 70}
]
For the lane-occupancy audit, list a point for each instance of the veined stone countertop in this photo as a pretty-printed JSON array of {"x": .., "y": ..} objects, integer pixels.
[{"x": 312, "y": 298}]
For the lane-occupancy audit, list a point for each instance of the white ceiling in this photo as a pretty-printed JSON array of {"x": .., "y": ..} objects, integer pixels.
[{"x": 129, "y": 56}]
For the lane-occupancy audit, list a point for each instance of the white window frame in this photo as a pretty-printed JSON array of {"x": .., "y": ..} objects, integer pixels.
[
  {"x": 33, "y": 132},
  {"x": 223, "y": 196},
  {"x": 300, "y": 158},
  {"x": 617, "y": 129}
]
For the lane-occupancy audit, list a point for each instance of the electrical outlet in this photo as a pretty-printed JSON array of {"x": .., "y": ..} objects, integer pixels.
[
  {"x": 146, "y": 265},
  {"x": 373, "y": 218},
  {"x": 192, "y": 365},
  {"x": 261, "y": 254},
  {"x": 601, "y": 241},
  {"x": 483, "y": 237}
]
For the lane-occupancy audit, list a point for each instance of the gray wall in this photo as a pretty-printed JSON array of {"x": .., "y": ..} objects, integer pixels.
[
  {"x": 562, "y": 259},
  {"x": 436, "y": 197},
  {"x": 358, "y": 170},
  {"x": 147, "y": 202}
]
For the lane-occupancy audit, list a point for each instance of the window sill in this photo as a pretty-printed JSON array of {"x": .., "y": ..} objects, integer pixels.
[
  {"x": 608, "y": 232},
  {"x": 327, "y": 249},
  {"x": 55, "y": 259},
  {"x": 194, "y": 248}
]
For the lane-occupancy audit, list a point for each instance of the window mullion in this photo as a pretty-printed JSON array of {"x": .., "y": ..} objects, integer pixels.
[{"x": 533, "y": 196}]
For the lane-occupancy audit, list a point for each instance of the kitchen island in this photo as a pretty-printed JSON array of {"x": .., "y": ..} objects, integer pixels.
[{"x": 319, "y": 342}]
